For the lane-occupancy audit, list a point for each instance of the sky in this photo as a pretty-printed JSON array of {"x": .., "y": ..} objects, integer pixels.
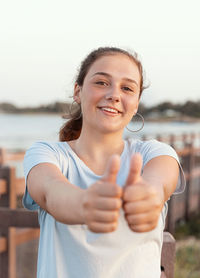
[{"x": 42, "y": 43}]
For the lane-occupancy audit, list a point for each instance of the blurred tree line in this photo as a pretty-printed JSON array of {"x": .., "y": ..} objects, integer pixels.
[
  {"x": 57, "y": 107},
  {"x": 189, "y": 108}
]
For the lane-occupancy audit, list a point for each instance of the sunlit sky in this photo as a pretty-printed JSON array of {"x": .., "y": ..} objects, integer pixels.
[{"x": 42, "y": 43}]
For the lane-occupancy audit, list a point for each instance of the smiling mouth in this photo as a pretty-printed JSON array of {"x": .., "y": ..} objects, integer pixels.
[{"x": 110, "y": 110}]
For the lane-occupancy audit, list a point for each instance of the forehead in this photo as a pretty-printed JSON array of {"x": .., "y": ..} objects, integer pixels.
[{"x": 118, "y": 65}]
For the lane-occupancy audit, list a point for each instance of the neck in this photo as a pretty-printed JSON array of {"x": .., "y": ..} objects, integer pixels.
[
  {"x": 97, "y": 145},
  {"x": 95, "y": 148}
]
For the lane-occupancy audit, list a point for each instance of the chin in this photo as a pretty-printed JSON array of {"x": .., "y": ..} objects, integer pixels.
[{"x": 111, "y": 129}]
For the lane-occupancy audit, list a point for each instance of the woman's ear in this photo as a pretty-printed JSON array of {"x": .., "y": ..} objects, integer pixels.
[
  {"x": 77, "y": 90},
  {"x": 134, "y": 112},
  {"x": 136, "y": 109}
]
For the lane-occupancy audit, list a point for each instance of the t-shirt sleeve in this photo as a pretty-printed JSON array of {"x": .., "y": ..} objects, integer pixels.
[
  {"x": 39, "y": 152},
  {"x": 154, "y": 148}
]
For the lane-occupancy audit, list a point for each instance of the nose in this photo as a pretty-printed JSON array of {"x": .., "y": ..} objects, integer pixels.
[{"x": 113, "y": 95}]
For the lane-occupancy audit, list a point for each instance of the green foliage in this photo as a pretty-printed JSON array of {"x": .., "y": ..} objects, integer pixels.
[
  {"x": 187, "y": 234},
  {"x": 190, "y": 228},
  {"x": 187, "y": 263}
]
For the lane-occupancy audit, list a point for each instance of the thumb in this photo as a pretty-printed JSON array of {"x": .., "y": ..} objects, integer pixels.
[
  {"x": 135, "y": 169},
  {"x": 112, "y": 169}
]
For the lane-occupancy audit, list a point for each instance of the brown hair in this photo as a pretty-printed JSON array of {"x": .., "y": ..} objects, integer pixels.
[{"x": 71, "y": 129}]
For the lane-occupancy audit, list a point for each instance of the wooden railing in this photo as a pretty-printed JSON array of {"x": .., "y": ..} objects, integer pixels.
[
  {"x": 18, "y": 225},
  {"x": 15, "y": 223}
]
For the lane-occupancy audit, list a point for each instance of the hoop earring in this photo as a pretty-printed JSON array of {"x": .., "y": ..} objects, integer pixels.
[
  {"x": 70, "y": 111},
  {"x": 140, "y": 127}
]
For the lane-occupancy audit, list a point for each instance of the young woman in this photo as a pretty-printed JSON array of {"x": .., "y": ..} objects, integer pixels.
[{"x": 101, "y": 199}]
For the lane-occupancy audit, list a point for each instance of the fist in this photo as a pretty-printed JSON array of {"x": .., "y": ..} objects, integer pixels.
[
  {"x": 142, "y": 201},
  {"x": 102, "y": 200}
]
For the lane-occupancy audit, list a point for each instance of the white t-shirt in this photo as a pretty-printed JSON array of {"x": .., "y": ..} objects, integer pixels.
[{"x": 72, "y": 251}]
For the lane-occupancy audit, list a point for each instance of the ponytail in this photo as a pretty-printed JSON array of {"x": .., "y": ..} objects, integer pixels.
[{"x": 71, "y": 130}]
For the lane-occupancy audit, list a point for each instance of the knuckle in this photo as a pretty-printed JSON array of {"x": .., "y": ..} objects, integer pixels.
[
  {"x": 133, "y": 228},
  {"x": 113, "y": 226},
  {"x": 130, "y": 219},
  {"x": 119, "y": 203},
  {"x": 125, "y": 207},
  {"x": 89, "y": 217},
  {"x": 126, "y": 193},
  {"x": 157, "y": 204},
  {"x": 88, "y": 200},
  {"x": 86, "y": 204},
  {"x": 115, "y": 204},
  {"x": 92, "y": 227},
  {"x": 128, "y": 207},
  {"x": 154, "y": 225},
  {"x": 115, "y": 216},
  {"x": 115, "y": 190},
  {"x": 154, "y": 217},
  {"x": 157, "y": 215}
]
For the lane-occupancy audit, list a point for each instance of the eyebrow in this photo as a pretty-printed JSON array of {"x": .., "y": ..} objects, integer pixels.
[{"x": 108, "y": 75}]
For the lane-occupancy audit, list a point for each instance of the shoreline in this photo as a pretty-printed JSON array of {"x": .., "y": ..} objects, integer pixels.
[
  {"x": 175, "y": 119},
  {"x": 178, "y": 119}
]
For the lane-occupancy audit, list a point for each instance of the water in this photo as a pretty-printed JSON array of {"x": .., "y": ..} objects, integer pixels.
[{"x": 19, "y": 132}]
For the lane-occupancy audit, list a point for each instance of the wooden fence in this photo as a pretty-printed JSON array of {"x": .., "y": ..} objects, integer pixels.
[
  {"x": 182, "y": 206},
  {"x": 18, "y": 225},
  {"x": 15, "y": 222}
]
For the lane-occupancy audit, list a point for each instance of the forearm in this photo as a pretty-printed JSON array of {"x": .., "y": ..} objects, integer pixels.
[
  {"x": 162, "y": 172},
  {"x": 63, "y": 202},
  {"x": 55, "y": 194},
  {"x": 165, "y": 189}
]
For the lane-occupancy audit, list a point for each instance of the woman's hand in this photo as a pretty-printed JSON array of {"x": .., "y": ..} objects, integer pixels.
[
  {"x": 102, "y": 201},
  {"x": 143, "y": 200}
]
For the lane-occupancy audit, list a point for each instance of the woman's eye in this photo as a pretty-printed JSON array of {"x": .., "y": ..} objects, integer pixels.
[
  {"x": 127, "y": 89},
  {"x": 101, "y": 83}
]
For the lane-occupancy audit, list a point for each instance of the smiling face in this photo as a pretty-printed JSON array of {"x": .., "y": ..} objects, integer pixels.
[{"x": 110, "y": 93}]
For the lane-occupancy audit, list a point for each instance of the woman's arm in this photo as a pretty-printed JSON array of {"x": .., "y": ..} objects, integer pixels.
[
  {"x": 162, "y": 172},
  {"x": 51, "y": 190},
  {"x": 97, "y": 207},
  {"x": 145, "y": 195}
]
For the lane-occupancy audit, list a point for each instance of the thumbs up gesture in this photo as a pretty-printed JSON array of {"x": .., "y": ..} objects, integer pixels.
[
  {"x": 143, "y": 201},
  {"x": 102, "y": 200}
]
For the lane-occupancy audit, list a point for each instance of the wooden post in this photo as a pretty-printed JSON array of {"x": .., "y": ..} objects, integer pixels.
[
  {"x": 168, "y": 254},
  {"x": 2, "y": 156},
  {"x": 198, "y": 136},
  {"x": 189, "y": 168},
  {"x": 4, "y": 231},
  {"x": 199, "y": 188},
  {"x": 170, "y": 216},
  {"x": 8, "y": 200},
  {"x": 172, "y": 140},
  {"x": 12, "y": 231}
]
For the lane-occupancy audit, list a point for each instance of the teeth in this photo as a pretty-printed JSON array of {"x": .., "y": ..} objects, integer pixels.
[{"x": 109, "y": 110}]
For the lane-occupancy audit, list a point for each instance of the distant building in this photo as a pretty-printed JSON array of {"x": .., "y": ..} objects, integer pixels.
[{"x": 169, "y": 113}]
